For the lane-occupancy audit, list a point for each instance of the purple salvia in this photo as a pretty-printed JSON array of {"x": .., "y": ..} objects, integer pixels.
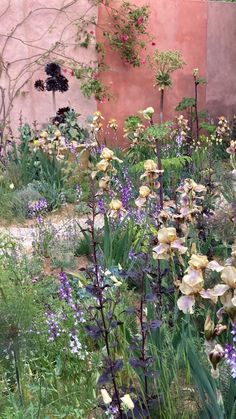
[
  {"x": 127, "y": 189},
  {"x": 75, "y": 345},
  {"x": 230, "y": 353},
  {"x": 37, "y": 208},
  {"x": 65, "y": 290},
  {"x": 101, "y": 206},
  {"x": 54, "y": 329}
]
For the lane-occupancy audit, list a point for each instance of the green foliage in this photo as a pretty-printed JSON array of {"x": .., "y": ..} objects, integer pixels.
[
  {"x": 21, "y": 169},
  {"x": 176, "y": 163},
  {"x": 210, "y": 128},
  {"x": 21, "y": 199},
  {"x": 132, "y": 122},
  {"x": 84, "y": 246},
  {"x": 186, "y": 103},
  {"x": 117, "y": 244},
  {"x": 71, "y": 129},
  {"x": 90, "y": 83},
  {"x": 159, "y": 132}
]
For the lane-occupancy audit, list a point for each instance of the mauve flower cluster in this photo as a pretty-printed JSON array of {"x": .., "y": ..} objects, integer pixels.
[
  {"x": 125, "y": 188},
  {"x": 111, "y": 411},
  {"x": 75, "y": 345},
  {"x": 137, "y": 215},
  {"x": 65, "y": 293},
  {"x": 100, "y": 149},
  {"x": 65, "y": 290},
  {"x": 54, "y": 328},
  {"x": 101, "y": 206},
  {"x": 230, "y": 353},
  {"x": 179, "y": 141},
  {"x": 37, "y": 208}
]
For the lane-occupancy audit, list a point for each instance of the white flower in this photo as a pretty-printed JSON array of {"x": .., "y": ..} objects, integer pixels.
[
  {"x": 127, "y": 401},
  {"x": 105, "y": 396},
  {"x": 116, "y": 282}
]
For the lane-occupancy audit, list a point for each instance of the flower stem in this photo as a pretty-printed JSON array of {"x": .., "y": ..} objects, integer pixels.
[{"x": 100, "y": 301}]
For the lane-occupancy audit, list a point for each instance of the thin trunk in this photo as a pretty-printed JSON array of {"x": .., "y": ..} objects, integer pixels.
[
  {"x": 17, "y": 375},
  {"x": 54, "y": 102},
  {"x": 196, "y": 107},
  {"x": 159, "y": 164},
  {"x": 162, "y": 106}
]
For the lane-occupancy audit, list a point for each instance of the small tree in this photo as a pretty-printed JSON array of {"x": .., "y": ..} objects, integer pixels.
[{"x": 164, "y": 63}]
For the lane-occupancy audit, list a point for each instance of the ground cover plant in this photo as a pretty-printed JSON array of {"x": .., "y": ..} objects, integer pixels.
[{"x": 146, "y": 325}]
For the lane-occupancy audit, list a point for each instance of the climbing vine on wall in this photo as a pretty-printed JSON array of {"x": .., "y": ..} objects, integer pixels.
[{"x": 129, "y": 33}]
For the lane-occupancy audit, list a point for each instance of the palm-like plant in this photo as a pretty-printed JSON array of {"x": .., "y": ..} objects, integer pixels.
[{"x": 164, "y": 63}]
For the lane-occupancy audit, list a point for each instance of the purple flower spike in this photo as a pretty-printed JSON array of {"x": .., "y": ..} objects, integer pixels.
[
  {"x": 230, "y": 353},
  {"x": 65, "y": 290},
  {"x": 54, "y": 329}
]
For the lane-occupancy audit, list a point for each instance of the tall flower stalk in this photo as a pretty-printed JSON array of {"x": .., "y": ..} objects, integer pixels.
[
  {"x": 98, "y": 290},
  {"x": 197, "y": 81}
]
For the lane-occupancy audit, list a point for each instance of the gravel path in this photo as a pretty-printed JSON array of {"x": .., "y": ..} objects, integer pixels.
[{"x": 25, "y": 235}]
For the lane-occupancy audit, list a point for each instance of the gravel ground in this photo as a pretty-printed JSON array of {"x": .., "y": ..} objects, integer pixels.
[{"x": 25, "y": 235}]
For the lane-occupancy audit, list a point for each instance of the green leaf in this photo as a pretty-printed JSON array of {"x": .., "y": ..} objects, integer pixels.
[
  {"x": 73, "y": 132},
  {"x": 186, "y": 102}
]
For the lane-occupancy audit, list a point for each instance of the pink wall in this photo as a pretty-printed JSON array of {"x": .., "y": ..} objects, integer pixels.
[
  {"x": 221, "y": 59},
  {"x": 43, "y": 27},
  {"x": 176, "y": 24},
  {"x": 203, "y": 31}
]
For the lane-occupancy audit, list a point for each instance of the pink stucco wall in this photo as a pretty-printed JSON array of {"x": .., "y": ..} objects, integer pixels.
[
  {"x": 205, "y": 32},
  {"x": 221, "y": 59},
  {"x": 43, "y": 26},
  {"x": 176, "y": 24}
]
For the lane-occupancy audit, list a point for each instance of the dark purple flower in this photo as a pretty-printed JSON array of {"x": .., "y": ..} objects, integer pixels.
[
  {"x": 113, "y": 410},
  {"x": 126, "y": 196},
  {"x": 52, "y": 69},
  {"x": 100, "y": 148},
  {"x": 39, "y": 85},
  {"x": 60, "y": 117},
  {"x": 132, "y": 254},
  {"x": 51, "y": 84},
  {"x": 63, "y": 84},
  {"x": 63, "y": 111},
  {"x": 57, "y": 83},
  {"x": 127, "y": 189}
]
